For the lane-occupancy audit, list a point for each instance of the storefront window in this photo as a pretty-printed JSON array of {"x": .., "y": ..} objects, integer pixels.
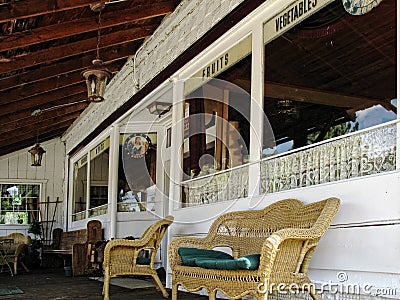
[
  {"x": 19, "y": 203},
  {"x": 137, "y": 172},
  {"x": 99, "y": 162},
  {"x": 331, "y": 74},
  {"x": 80, "y": 188},
  {"x": 217, "y": 110},
  {"x": 97, "y": 185}
]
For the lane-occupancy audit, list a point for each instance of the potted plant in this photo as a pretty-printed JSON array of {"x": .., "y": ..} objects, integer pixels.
[{"x": 35, "y": 248}]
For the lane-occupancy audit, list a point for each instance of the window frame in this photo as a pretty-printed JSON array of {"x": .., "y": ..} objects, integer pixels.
[{"x": 42, "y": 187}]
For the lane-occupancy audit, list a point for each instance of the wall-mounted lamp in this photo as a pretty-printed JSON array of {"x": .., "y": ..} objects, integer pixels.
[
  {"x": 159, "y": 108},
  {"x": 97, "y": 75}
]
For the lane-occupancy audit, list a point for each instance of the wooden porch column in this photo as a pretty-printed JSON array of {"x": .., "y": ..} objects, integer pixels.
[
  {"x": 113, "y": 180},
  {"x": 176, "y": 142},
  {"x": 256, "y": 109}
]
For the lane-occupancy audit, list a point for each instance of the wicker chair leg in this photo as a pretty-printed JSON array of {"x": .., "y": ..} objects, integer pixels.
[
  {"x": 160, "y": 286},
  {"x": 212, "y": 295},
  {"x": 15, "y": 265},
  {"x": 315, "y": 296},
  {"x": 174, "y": 290},
  {"x": 106, "y": 287}
]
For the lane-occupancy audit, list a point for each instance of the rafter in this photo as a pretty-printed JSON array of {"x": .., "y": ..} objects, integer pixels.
[
  {"x": 7, "y": 108},
  {"x": 9, "y": 139},
  {"x": 43, "y": 86},
  {"x": 80, "y": 26},
  {"x": 31, "y": 8},
  {"x": 27, "y": 124},
  {"x": 115, "y": 54},
  {"x": 30, "y": 141},
  {"x": 76, "y": 48},
  {"x": 27, "y": 112},
  {"x": 302, "y": 94}
]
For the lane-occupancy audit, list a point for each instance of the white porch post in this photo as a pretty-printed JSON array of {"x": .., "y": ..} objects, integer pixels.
[
  {"x": 113, "y": 180},
  {"x": 398, "y": 91},
  {"x": 176, "y": 145},
  {"x": 256, "y": 109},
  {"x": 176, "y": 160},
  {"x": 87, "y": 207},
  {"x": 68, "y": 196}
]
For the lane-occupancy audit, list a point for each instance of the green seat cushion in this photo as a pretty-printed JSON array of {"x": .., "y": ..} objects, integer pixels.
[
  {"x": 189, "y": 255},
  {"x": 248, "y": 262},
  {"x": 143, "y": 261}
]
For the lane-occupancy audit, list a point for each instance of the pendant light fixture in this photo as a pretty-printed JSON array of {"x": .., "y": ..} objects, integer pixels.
[
  {"x": 36, "y": 151},
  {"x": 97, "y": 75}
]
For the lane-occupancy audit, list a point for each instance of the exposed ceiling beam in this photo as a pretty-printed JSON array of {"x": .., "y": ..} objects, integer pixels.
[
  {"x": 19, "y": 134},
  {"x": 76, "y": 48},
  {"x": 26, "y": 125},
  {"x": 9, "y": 140},
  {"x": 30, "y": 88},
  {"x": 301, "y": 94},
  {"x": 79, "y": 26},
  {"x": 42, "y": 86},
  {"x": 114, "y": 54},
  {"x": 30, "y": 141},
  {"x": 27, "y": 112},
  {"x": 7, "y": 107},
  {"x": 31, "y": 8}
]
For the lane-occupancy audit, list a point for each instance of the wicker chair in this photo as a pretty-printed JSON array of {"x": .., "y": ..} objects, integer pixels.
[
  {"x": 121, "y": 256},
  {"x": 12, "y": 251},
  {"x": 285, "y": 233}
]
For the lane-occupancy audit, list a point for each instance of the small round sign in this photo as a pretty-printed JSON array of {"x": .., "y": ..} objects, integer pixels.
[{"x": 136, "y": 145}]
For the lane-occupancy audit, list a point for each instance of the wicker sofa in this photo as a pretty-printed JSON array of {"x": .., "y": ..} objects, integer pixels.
[
  {"x": 13, "y": 249},
  {"x": 285, "y": 233}
]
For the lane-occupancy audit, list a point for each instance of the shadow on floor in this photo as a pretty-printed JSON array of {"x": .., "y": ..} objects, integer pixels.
[{"x": 43, "y": 284}]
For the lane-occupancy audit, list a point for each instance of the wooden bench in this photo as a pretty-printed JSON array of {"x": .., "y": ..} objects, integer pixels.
[
  {"x": 76, "y": 246},
  {"x": 285, "y": 234}
]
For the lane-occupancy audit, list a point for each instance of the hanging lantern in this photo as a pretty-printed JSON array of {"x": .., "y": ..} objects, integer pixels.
[
  {"x": 37, "y": 151},
  {"x": 97, "y": 75},
  {"x": 36, "y": 155},
  {"x": 96, "y": 80}
]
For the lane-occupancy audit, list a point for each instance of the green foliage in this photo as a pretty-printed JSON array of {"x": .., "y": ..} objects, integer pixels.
[
  {"x": 35, "y": 228},
  {"x": 335, "y": 131}
]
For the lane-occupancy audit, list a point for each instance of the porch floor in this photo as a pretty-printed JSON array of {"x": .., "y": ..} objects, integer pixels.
[{"x": 42, "y": 284}]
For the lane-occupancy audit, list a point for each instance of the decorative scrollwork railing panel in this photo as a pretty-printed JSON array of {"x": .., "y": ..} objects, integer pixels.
[
  {"x": 359, "y": 154},
  {"x": 227, "y": 185}
]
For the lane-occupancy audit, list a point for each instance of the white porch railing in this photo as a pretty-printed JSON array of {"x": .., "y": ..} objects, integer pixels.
[
  {"x": 98, "y": 210},
  {"x": 225, "y": 185},
  {"x": 79, "y": 216},
  {"x": 361, "y": 153},
  {"x": 358, "y": 154}
]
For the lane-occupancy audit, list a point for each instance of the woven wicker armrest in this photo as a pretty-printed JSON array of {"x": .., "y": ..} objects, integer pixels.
[{"x": 124, "y": 242}]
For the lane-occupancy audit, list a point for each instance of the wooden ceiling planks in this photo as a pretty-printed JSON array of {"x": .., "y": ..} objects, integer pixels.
[
  {"x": 78, "y": 26},
  {"x": 44, "y": 47}
]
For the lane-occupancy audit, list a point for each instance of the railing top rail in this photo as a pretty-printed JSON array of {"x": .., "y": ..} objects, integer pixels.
[{"x": 100, "y": 206}]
